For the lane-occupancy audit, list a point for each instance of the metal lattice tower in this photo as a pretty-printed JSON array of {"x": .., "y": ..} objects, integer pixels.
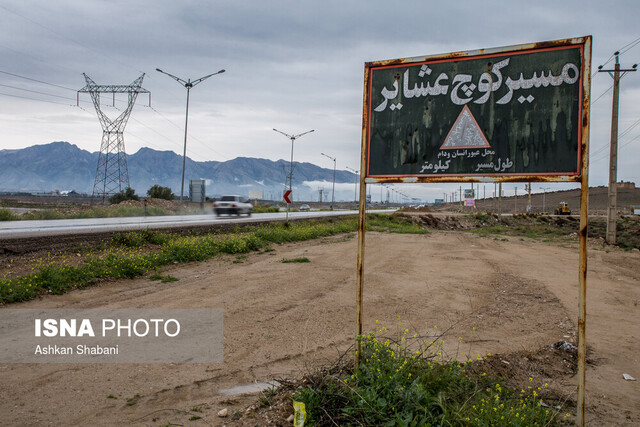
[{"x": 112, "y": 175}]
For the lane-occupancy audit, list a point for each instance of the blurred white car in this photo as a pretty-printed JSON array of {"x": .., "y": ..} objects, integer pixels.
[
  {"x": 232, "y": 205},
  {"x": 305, "y": 207}
]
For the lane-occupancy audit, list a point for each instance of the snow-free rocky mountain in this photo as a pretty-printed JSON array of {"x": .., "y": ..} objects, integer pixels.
[{"x": 63, "y": 166}]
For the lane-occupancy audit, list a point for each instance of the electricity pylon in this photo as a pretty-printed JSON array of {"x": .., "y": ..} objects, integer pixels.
[{"x": 112, "y": 175}]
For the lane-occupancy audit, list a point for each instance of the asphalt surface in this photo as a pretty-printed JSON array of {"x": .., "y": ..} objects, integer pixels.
[{"x": 27, "y": 229}]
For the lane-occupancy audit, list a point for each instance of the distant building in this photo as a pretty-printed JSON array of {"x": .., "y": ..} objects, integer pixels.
[{"x": 623, "y": 184}]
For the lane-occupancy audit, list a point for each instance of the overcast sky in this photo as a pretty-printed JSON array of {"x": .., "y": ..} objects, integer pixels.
[{"x": 290, "y": 65}]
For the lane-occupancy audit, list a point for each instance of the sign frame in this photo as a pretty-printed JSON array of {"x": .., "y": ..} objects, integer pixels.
[
  {"x": 581, "y": 43},
  {"x": 581, "y": 175}
]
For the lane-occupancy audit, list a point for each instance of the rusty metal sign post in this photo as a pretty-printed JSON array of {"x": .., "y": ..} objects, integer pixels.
[{"x": 509, "y": 114}]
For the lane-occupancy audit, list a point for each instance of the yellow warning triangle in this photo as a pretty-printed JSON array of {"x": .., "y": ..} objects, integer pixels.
[{"x": 465, "y": 133}]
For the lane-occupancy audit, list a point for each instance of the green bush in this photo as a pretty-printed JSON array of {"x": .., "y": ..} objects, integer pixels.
[
  {"x": 134, "y": 239},
  {"x": 7, "y": 215},
  {"x": 127, "y": 194},
  {"x": 265, "y": 209},
  {"x": 129, "y": 255},
  {"x": 398, "y": 386},
  {"x": 43, "y": 214},
  {"x": 160, "y": 192}
]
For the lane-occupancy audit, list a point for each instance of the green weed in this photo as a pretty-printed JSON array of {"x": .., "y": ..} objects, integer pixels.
[
  {"x": 295, "y": 260},
  {"x": 97, "y": 212},
  {"x": 133, "y": 400},
  {"x": 7, "y": 215},
  {"x": 240, "y": 259},
  {"x": 129, "y": 255},
  {"x": 393, "y": 224},
  {"x": 401, "y": 384},
  {"x": 266, "y": 209},
  {"x": 156, "y": 276}
]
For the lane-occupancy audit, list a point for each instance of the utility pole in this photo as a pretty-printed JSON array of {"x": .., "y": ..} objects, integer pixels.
[
  {"x": 515, "y": 201},
  {"x": 500, "y": 200},
  {"x": 529, "y": 202},
  {"x": 613, "y": 153},
  {"x": 494, "y": 196}
]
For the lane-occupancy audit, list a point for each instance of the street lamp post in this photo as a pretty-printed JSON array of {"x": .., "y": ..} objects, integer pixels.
[
  {"x": 292, "y": 138},
  {"x": 544, "y": 196},
  {"x": 188, "y": 84},
  {"x": 355, "y": 184},
  {"x": 333, "y": 189}
]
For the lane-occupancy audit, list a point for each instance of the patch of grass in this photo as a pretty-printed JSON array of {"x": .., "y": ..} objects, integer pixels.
[
  {"x": 135, "y": 239},
  {"x": 266, "y": 209},
  {"x": 133, "y": 400},
  {"x": 399, "y": 384},
  {"x": 553, "y": 229},
  {"x": 393, "y": 224},
  {"x": 266, "y": 399},
  {"x": 111, "y": 396},
  {"x": 7, "y": 215},
  {"x": 240, "y": 259},
  {"x": 96, "y": 212},
  {"x": 194, "y": 417},
  {"x": 164, "y": 279},
  {"x": 156, "y": 276},
  {"x": 627, "y": 231},
  {"x": 130, "y": 255},
  {"x": 295, "y": 260},
  {"x": 532, "y": 228}
]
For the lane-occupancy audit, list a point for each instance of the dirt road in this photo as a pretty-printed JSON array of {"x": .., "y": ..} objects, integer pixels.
[{"x": 284, "y": 318}]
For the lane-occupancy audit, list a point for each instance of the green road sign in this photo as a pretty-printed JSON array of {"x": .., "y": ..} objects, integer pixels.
[{"x": 504, "y": 113}]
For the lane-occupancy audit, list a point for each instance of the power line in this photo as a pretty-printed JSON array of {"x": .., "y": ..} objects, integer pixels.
[
  {"x": 626, "y": 131},
  {"x": 35, "y": 80},
  {"x": 63, "y": 36},
  {"x": 622, "y": 50},
  {"x": 35, "y": 58},
  {"x": 38, "y": 92},
  {"x": 630, "y": 141},
  {"x": 628, "y": 47},
  {"x": 606, "y": 155},
  {"x": 201, "y": 143},
  {"x": 602, "y": 94},
  {"x": 35, "y": 99}
]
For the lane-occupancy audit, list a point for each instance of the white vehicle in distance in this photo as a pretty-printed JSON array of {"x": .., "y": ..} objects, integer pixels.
[
  {"x": 232, "y": 205},
  {"x": 305, "y": 208}
]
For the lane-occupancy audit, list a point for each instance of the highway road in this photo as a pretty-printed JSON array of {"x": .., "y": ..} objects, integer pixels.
[{"x": 26, "y": 229}]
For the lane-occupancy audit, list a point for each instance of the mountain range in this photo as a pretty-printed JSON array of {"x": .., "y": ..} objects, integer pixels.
[{"x": 63, "y": 166}]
